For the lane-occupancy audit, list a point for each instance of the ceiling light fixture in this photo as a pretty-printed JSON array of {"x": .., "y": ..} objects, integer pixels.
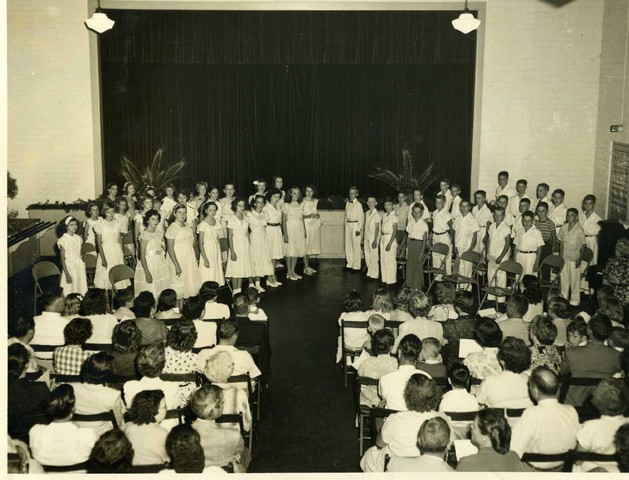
[
  {"x": 466, "y": 22},
  {"x": 99, "y": 22}
]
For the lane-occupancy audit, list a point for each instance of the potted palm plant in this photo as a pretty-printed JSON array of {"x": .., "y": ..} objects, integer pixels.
[
  {"x": 156, "y": 173},
  {"x": 405, "y": 180}
]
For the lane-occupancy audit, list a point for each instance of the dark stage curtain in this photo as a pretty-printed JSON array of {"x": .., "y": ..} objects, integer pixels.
[{"x": 320, "y": 97}]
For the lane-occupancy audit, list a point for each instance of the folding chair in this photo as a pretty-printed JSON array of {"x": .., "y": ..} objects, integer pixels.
[
  {"x": 514, "y": 412},
  {"x": 350, "y": 352},
  {"x": 254, "y": 400},
  {"x": 593, "y": 457},
  {"x": 90, "y": 261},
  {"x": 65, "y": 468},
  {"x": 41, "y": 270},
  {"x": 472, "y": 257},
  {"x": 513, "y": 271},
  {"x": 376, "y": 414},
  {"x": 237, "y": 419},
  {"x": 362, "y": 411},
  {"x": 254, "y": 351},
  {"x": 118, "y": 273},
  {"x": 568, "y": 382},
  {"x": 129, "y": 253},
  {"x": 555, "y": 263},
  {"x": 434, "y": 270},
  {"x": 586, "y": 259},
  {"x": 144, "y": 469},
  {"x": 565, "y": 457},
  {"x": 96, "y": 418}
]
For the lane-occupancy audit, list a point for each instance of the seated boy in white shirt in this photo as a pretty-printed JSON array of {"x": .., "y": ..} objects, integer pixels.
[
  {"x": 255, "y": 312},
  {"x": 459, "y": 399},
  {"x": 213, "y": 309}
]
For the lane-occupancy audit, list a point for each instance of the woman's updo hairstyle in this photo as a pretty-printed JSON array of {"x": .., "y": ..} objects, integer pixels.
[{"x": 492, "y": 423}]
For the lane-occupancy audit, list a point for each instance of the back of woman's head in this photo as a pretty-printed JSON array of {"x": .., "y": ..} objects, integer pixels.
[
  {"x": 97, "y": 368},
  {"x": 445, "y": 293},
  {"x": 514, "y": 355},
  {"x": 126, "y": 337},
  {"x": 77, "y": 331},
  {"x": 419, "y": 304},
  {"x": 94, "y": 302},
  {"x": 559, "y": 307},
  {"x": 612, "y": 307},
  {"x": 193, "y": 308},
  {"x": 610, "y": 397},
  {"x": 544, "y": 330},
  {"x": 401, "y": 299},
  {"x": 382, "y": 341},
  {"x": 219, "y": 367},
  {"x": 145, "y": 407},
  {"x": 487, "y": 333},
  {"x": 353, "y": 302},
  {"x": 410, "y": 347},
  {"x": 421, "y": 394},
  {"x": 492, "y": 423},
  {"x": 60, "y": 403},
  {"x": 381, "y": 301},
  {"x": 18, "y": 358},
  {"x": 167, "y": 300},
  {"x": 151, "y": 360},
  {"x": 21, "y": 324},
  {"x": 532, "y": 289},
  {"x": 112, "y": 453},
  {"x": 183, "y": 446},
  {"x": 621, "y": 442},
  {"x": 143, "y": 305},
  {"x": 182, "y": 336},
  {"x": 209, "y": 291}
]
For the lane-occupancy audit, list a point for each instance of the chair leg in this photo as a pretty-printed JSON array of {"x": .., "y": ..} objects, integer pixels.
[
  {"x": 361, "y": 425},
  {"x": 345, "y": 369},
  {"x": 480, "y": 305},
  {"x": 259, "y": 394}
]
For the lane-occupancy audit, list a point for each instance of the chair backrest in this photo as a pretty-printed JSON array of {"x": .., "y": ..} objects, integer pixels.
[
  {"x": 96, "y": 417},
  {"x": 89, "y": 260},
  {"x": 98, "y": 347},
  {"x": 511, "y": 268},
  {"x": 87, "y": 248},
  {"x": 64, "y": 468},
  {"x": 232, "y": 418},
  {"x": 44, "y": 269},
  {"x": 179, "y": 377},
  {"x": 514, "y": 412},
  {"x": 375, "y": 414},
  {"x": 555, "y": 262},
  {"x": 393, "y": 324},
  {"x": 588, "y": 256},
  {"x": 354, "y": 324},
  {"x": 119, "y": 273},
  {"x": 440, "y": 248},
  {"x": 567, "y": 382},
  {"x": 245, "y": 378},
  {"x": 462, "y": 416},
  {"x": 565, "y": 457},
  {"x": 366, "y": 381},
  {"x": 44, "y": 348},
  {"x": 472, "y": 257},
  {"x": 66, "y": 378},
  {"x": 144, "y": 469}
]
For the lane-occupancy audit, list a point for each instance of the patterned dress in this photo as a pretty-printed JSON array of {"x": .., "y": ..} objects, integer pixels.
[
  {"x": 181, "y": 362},
  {"x": 616, "y": 274}
]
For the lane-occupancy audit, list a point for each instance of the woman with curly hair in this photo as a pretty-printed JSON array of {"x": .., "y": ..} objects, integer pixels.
[
  {"x": 126, "y": 340},
  {"x": 179, "y": 355},
  {"x": 482, "y": 364},
  {"x": 543, "y": 334},
  {"x": 112, "y": 453},
  {"x": 143, "y": 428}
]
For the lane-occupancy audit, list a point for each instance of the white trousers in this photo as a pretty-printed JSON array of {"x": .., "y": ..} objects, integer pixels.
[
  {"x": 371, "y": 259},
  {"x": 480, "y": 236},
  {"x": 388, "y": 261},
  {"x": 436, "y": 258},
  {"x": 352, "y": 246},
  {"x": 527, "y": 260},
  {"x": 501, "y": 278},
  {"x": 570, "y": 283},
  {"x": 465, "y": 269}
]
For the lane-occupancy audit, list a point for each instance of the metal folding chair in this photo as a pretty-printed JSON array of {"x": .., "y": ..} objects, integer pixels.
[
  {"x": 555, "y": 263},
  {"x": 362, "y": 411},
  {"x": 472, "y": 257},
  {"x": 586, "y": 259},
  {"x": 513, "y": 271},
  {"x": 117, "y": 274},
  {"x": 433, "y": 270},
  {"x": 41, "y": 270},
  {"x": 350, "y": 353}
]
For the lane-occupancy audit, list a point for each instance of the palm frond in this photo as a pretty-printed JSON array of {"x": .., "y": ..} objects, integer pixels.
[
  {"x": 405, "y": 180},
  {"x": 155, "y": 174}
]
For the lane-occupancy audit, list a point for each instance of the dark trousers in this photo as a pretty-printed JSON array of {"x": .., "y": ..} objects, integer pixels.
[
  {"x": 547, "y": 250},
  {"x": 414, "y": 266}
]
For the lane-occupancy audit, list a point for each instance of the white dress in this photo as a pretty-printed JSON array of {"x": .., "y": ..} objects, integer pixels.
[
  {"x": 110, "y": 241},
  {"x": 156, "y": 262},
  {"x": 261, "y": 263},
  {"x": 274, "y": 231},
  {"x": 212, "y": 249},
  {"x": 313, "y": 228},
  {"x": 91, "y": 236},
  {"x": 296, "y": 246},
  {"x": 189, "y": 282},
  {"x": 74, "y": 263},
  {"x": 241, "y": 267}
]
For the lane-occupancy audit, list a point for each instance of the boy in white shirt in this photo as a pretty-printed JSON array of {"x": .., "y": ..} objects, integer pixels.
[
  {"x": 372, "y": 238},
  {"x": 514, "y": 202},
  {"x": 465, "y": 238},
  {"x": 455, "y": 206},
  {"x": 524, "y": 206},
  {"x": 213, "y": 309},
  {"x": 418, "y": 198},
  {"x": 483, "y": 216},
  {"x": 503, "y": 185},
  {"x": 557, "y": 210},
  {"x": 255, "y": 312},
  {"x": 572, "y": 245},
  {"x": 589, "y": 222},
  {"x": 541, "y": 192},
  {"x": 354, "y": 220},
  {"x": 123, "y": 302},
  {"x": 444, "y": 190},
  {"x": 528, "y": 245},
  {"x": 417, "y": 239},
  {"x": 498, "y": 243},
  {"x": 442, "y": 232},
  {"x": 459, "y": 399},
  {"x": 503, "y": 201}
]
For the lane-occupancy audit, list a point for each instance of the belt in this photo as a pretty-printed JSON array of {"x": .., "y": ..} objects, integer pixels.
[
  {"x": 440, "y": 233},
  {"x": 527, "y": 252},
  {"x": 416, "y": 239},
  {"x": 273, "y": 224},
  {"x": 154, "y": 252},
  {"x": 351, "y": 221},
  {"x": 590, "y": 236}
]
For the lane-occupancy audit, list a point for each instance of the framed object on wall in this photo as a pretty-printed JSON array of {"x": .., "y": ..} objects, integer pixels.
[{"x": 619, "y": 182}]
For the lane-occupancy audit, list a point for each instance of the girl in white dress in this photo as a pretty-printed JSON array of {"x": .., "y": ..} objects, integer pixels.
[
  {"x": 388, "y": 244},
  {"x": 274, "y": 236},
  {"x": 93, "y": 217},
  {"x": 239, "y": 258},
  {"x": 209, "y": 230},
  {"x": 157, "y": 205},
  {"x": 109, "y": 247},
  {"x": 261, "y": 263},
  {"x": 294, "y": 231},
  {"x": 130, "y": 192},
  {"x": 151, "y": 272},
  {"x": 313, "y": 228},
  {"x": 123, "y": 218},
  {"x": 201, "y": 196},
  {"x": 184, "y": 270},
  {"x": 138, "y": 220},
  {"x": 260, "y": 184},
  {"x": 73, "y": 276},
  {"x": 168, "y": 201},
  {"x": 278, "y": 184},
  {"x": 184, "y": 197}
]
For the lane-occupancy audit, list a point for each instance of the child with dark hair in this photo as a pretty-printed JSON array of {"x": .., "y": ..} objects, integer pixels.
[
  {"x": 49, "y": 326},
  {"x": 151, "y": 272},
  {"x": 123, "y": 301},
  {"x": 22, "y": 331},
  {"x": 533, "y": 294},
  {"x": 459, "y": 399},
  {"x": 68, "y": 359},
  {"x": 167, "y": 305},
  {"x": 255, "y": 312},
  {"x": 619, "y": 339},
  {"x": 375, "y": 367},
  {"x": 213, "y": 309},
  {"x": 62, "y": 442},
  {"x": 143, "y": 429},
  {"x": 112, "y": 453},
  {"x": 354, "y": 338},
  {"x": 73, "y": 275},
  {"x": 126, "y": 340},
  {"x": 95, "y": 307},
  {"x": 576, "y": 333},
  {"x": 485, "y": 363},
  {"x": 109, "y": 247},
  {"x": 543, "y": 351},
  {"x": 183, "y": 446},
  {"x": 210, "y": 231},
  {"x": 193, "y": 310},
  {"x": 152, "y": 330}
]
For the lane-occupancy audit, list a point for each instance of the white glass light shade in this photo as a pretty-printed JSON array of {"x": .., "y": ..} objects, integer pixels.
[
  {"x": 466, "y": 23},
  {"x": 99, "y": 23}
]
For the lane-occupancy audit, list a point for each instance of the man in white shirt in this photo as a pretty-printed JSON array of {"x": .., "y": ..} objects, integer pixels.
[
  {"x": 498, "y": 245},
  {"x": 459, "y": 399},
  {"x": 503, "y": 185},
  {"x": 391, "y": 386},
  {"x": 548, "y": 427},
  {"x": 483, "y": 216},
  {"x": 49, "y": 327},
  {"x": 557, "y": 210},
  {"x": 442, "y": 233},
  {"x": 354, "y": 220},
  {"x": 455, "y": 206},
  {"x": 528, "y": 245},
  {"x": 514, "y": 201},
  {"x": 419, "y": 198}
]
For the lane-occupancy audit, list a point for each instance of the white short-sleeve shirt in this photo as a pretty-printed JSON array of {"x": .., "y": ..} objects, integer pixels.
[{"x": 464, "y": 228}]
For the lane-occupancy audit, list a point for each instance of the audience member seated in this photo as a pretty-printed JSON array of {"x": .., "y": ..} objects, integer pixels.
[
  {"x": 73, "y": 305},
  {"x": 218, "y": 369},
  {"x": 391, "y": 386},
  {"x": 228, "y": 333},
  {"x": 222, "y": 445},
  {"x": 534, "y": 297},
  {"x": 616, "y": 273},
  {"x": 419, "y": 305},
  {"x": 95, "y": 307},
  {"x": 375, "y": 367},
  {"x": 400, "y": 302},
  {"x": 461, "y": 327},
  {"x": 443, "y": 309},
  {"x": 430, "y": 360},
  {"x": 153, "y": 331},
  {"x": 508, "y": 389},
  {"x": 354, "y": 338},
  {"x": 610, "y": 398},
  {"x": 150, "y": 364},
  {"x": 543, "y": 353},
  {"x": 93, "y": 395},
  {"x": 123, "y": 301},
  {"x": 49, "y": 327},
  {"x": 459, "y": 399},
  {"x": 251, "y": 332},
  {"x": 381, "y": 303},
  {"x": 213, "y": 309},
  {"x": 183, "y": 446},
  {"x": 621, "y": 442},
  {"x": 619, "y": 339},
  {"x": 19, "y": 459},
  {"x": 67, "y": 360},
  {"x": 192, "y": 310},
  {"x": 433, "y": 440},
  {"x": 576, "y": 333},
  {"x": 255, "y": 312},
  {"x": 112, "y": 453},
  {"x": 612, "y": 307},
  {"x": 62, "y": 442},
  {"x": 180, "y": 358},
  {"x": 593, "y": 360},
  {"x": 548, "y": 427},
  {"x": 398, "y": 436},
  {"x": 559, "y": 313},
  {"x": 167, "y": 305},
  {"x": 22, "y": 330},
  {"x": 485, "y": 363},
  {"x": 143, "y": 428},
  {"x": 126, "y": 340},
  {"x": 24, "y": 397},
  {"x": 375, "y": 323},
  {"x": 491, "y": 434},
  {"x": 513, "y": 325}
]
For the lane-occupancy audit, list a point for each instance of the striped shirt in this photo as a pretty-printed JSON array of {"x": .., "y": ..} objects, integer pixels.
[{"x": 546, "y": 227}]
